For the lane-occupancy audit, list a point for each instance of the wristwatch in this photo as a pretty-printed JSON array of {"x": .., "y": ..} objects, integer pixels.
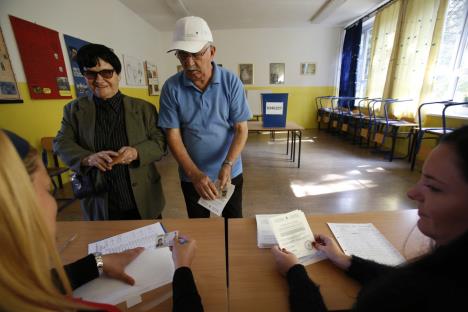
[
  {"x": 99, "y": 262},
  {"x": 227, "y": 162}
]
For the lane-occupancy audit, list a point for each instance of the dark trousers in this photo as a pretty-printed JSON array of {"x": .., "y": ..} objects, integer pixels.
[{"x": 233, "y": 207}]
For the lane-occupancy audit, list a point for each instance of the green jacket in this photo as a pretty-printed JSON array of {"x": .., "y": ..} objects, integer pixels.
[{"x": 75, "y": 141}]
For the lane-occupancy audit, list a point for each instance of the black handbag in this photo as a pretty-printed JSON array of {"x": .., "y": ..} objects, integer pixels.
[{"x": 88, "y": 184}]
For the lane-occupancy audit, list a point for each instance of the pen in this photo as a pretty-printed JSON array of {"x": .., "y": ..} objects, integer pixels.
[{"x": 67, "y": 242}]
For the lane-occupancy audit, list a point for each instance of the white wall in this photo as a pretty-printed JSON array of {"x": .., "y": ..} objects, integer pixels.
[
  {"x": 108, "y": 22},
  {"x": 111, "y": 23},
  {"x": 316, "y": 44}
]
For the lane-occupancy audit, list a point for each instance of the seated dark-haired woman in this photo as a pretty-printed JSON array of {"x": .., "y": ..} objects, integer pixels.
[{"x": 437, "y": 281}]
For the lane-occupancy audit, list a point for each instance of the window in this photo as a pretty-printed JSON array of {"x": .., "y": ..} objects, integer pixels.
[
  {"x": 364, "y": 58},
  {"x": 451, "y": 73}
]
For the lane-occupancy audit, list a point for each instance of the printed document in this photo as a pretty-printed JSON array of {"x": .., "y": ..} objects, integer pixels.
[
  {"x": 153, "y": 268},
  {"x": 217, "y": 205},
  {"x": 365, "y": 241},
  {"x": 292, "y": 232}
]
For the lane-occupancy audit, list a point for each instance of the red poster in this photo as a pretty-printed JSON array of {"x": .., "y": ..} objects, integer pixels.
[{"x": 42, "y": 59}]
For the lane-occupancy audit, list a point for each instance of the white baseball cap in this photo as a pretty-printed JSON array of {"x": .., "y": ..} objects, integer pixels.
[{"x": 191, "y": 34}]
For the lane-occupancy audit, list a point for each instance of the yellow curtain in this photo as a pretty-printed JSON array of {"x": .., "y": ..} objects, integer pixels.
[
  {"x": 383, "y": 41},
  {"x": 413, "y": 53},
  {"x": 429, "y": 75}
]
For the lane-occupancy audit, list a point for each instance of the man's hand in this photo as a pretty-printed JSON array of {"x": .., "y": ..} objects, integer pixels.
[
  {"x": 204, "y": 186},
  {"x": 101, "y": 160},
  {"x": 224, "y": 176},
  {"x": 115, "y": 264}
]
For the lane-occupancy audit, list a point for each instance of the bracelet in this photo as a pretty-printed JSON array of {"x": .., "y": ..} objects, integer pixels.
[
  {"x": 228, "y": 162},
  {"x": 99, "y": 262}
]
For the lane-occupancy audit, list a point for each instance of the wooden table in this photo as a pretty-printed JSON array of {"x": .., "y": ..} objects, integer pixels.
[
  {"x": 291, "y": 127},
  {"x": 209, "y": 266},
  {"x": 255, "y": 284}
]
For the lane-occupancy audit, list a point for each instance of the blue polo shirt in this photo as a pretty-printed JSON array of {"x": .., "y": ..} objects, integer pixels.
[{"x": 205, "y": 119}]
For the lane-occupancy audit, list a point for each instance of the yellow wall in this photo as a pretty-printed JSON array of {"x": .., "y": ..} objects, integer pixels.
[
  {"x": 35, "y": 119},
  {"x": 301, "y": 102}
]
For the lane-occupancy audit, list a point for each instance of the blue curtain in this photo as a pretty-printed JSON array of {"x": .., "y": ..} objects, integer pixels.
[{"x": 349, "y": 60}]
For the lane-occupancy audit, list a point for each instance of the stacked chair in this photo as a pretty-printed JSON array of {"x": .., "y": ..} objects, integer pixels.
[
  {"x": 369, "y": 122},
  {"x": 431, "y": 132}
]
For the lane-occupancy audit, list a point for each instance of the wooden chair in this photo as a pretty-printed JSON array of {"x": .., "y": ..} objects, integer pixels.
[{"x": 54, "y": 170}]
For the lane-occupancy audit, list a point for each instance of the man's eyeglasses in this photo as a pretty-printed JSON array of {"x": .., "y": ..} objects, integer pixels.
[
  {"x": 92, "y": 75},
  {"x": 183, "y": 55}
]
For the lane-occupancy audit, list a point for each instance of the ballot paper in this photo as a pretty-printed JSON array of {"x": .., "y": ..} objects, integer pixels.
[
  {"x": 153, "y": 268},
  {"x": 141, "y": 237},
  {"x": 292, "y": 232},
  {"x": 365, "y": 241},
  {"x": 217, "y": 205},
  {"x": 265, "y": 236}
]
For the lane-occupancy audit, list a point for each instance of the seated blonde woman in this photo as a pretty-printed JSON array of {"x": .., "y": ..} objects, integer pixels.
[{"x": 32, "y": 277}]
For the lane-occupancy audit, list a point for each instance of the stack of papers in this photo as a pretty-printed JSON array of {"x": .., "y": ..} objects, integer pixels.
[
  {"x": 290, "y": 231},
  {"x": 265, "y": 236},
  {"x": 153, "y": 268},
  {"x": 365, "y": 241}
]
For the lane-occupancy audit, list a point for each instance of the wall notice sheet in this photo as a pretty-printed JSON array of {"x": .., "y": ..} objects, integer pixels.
[
  {"x": 292, "y": 232},
  {"x": 153, "y": 268},
  {"x": 365, "y": 241}
]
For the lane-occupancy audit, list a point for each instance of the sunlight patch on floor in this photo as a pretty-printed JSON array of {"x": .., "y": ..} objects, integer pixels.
[{"x": 301, "y": 189}]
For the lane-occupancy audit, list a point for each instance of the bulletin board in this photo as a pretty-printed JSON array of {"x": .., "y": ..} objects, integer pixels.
[
  {"x": 8, "y": 88},
  {"x": 42, "y": 60},
  {"x": 73, "y": 45}
]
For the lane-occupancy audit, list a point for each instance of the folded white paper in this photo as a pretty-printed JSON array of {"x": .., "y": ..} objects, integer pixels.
[{"x": 217, "y": 205}]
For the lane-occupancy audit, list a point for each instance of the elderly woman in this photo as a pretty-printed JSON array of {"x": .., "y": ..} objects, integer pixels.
[
  {"x": 435, "y": 282},
  {"x": 113, "y": 139}
]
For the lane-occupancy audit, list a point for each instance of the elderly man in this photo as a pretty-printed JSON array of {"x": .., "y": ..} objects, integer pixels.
[{"x": 204, "y": 112}]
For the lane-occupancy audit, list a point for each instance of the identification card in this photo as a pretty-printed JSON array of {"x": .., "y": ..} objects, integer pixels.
[{"x": 166, "y": 240}]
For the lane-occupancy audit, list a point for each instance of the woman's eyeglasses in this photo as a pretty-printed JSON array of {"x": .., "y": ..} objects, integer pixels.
[
  {"x": 92, "y": 75},
  {"x": 183, "y": 55}
]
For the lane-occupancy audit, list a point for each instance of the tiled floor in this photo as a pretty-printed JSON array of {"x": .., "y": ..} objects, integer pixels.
[{"x": 335, "y": 177}]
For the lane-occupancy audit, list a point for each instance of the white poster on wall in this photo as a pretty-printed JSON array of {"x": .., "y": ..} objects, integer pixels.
[{"x": 134, "y": 71}]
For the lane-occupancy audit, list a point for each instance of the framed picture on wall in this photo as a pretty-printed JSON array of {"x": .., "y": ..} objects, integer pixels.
[
  {"x": 308, "y": 68},
  {"x": 152, "y": 78},
  {"x": 8, "y": 88},
  {"x": 246, "y": 73},
  {"x": 277, "y": 73}
]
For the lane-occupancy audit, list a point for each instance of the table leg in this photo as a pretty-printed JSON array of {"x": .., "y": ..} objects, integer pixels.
[
  {"x": 287, "y": 144},
  {"x": 299, "y": 155}
]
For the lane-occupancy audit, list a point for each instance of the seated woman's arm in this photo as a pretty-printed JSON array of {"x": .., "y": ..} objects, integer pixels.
[
  {"x": 365, "y": 271},
  {"x": 184, "y": 291},
  {"x": 85, "y": 269},
  {"x": 81, "y": 271},
  {"x": 304, "y": 295}
]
